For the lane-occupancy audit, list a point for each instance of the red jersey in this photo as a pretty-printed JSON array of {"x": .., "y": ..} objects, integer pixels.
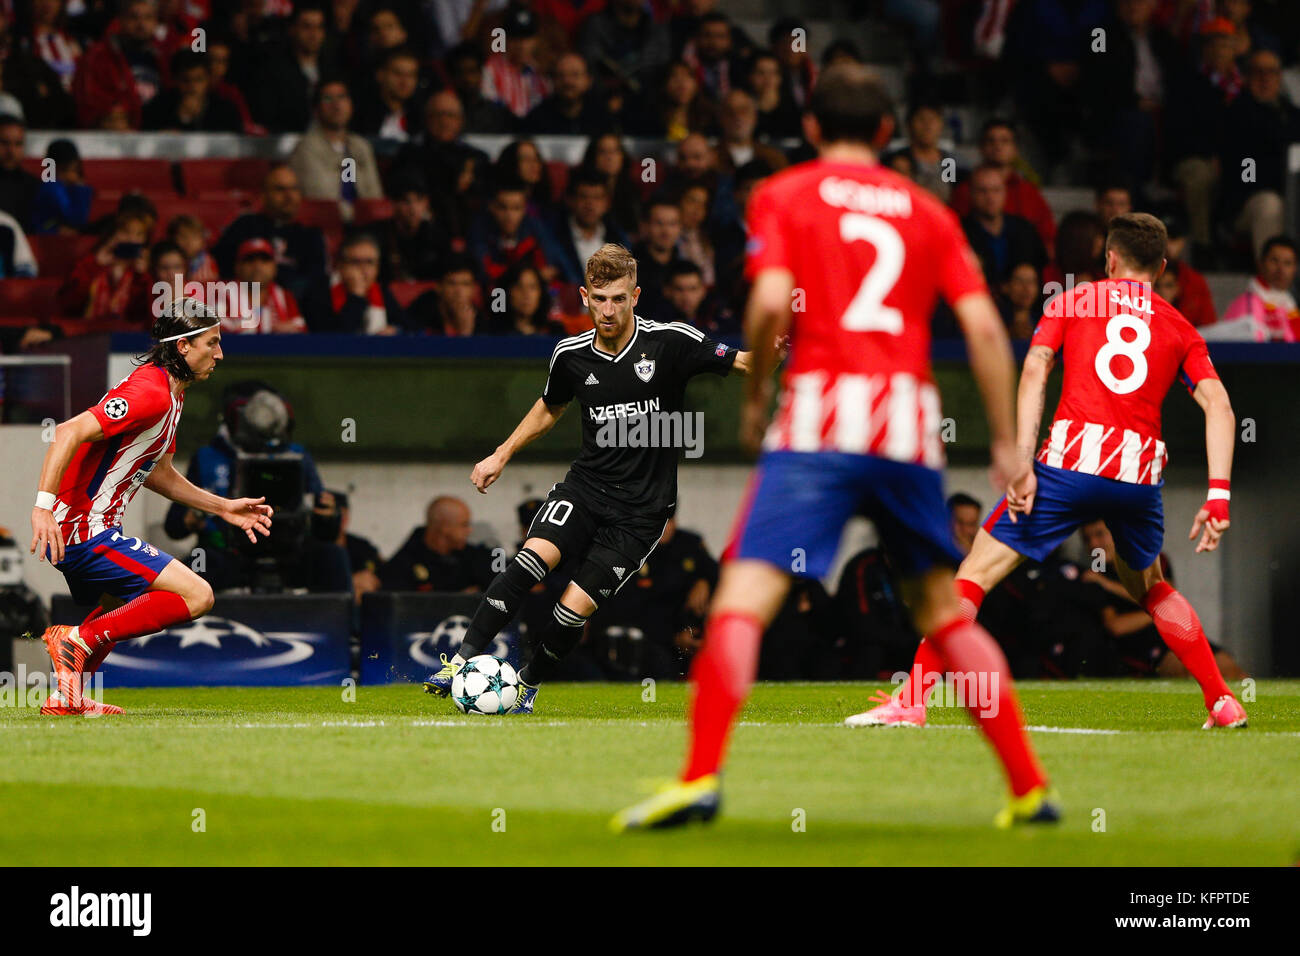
[
  {"x": 138, "y": 416},
  {"x": 871, "y": 252},
  {"x": 1124, "y": 346}
]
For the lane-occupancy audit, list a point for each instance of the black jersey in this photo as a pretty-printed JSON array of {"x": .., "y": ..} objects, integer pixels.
[{"x": 633, "y": 424}]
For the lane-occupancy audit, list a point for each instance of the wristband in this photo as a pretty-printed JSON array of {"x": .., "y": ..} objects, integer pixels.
[
  {"x": 45, "y": 499},
  {"x": 1219, "y": 490}
]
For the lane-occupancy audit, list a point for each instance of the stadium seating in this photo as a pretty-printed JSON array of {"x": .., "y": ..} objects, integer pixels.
[
  {"x": 29, "y": 297},
  {"x": 218, "y": 178},
  {"x": 408, "y": 291},
  {"x": 56, "y": 255}
]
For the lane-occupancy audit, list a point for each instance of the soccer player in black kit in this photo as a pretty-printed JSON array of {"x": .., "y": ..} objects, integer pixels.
[{"x": 629, "y": 376}]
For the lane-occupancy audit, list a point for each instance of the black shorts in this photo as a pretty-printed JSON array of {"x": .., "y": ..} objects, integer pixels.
[{"x": 586, "y": 526}]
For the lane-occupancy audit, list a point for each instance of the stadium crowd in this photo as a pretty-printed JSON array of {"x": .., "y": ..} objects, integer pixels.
[{"x": 384, "y": 219}]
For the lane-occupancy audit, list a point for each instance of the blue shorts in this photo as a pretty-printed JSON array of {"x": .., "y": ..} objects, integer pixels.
[
  {"x": 111, "y": 563},
  {"x": 1066, "y": 499},
  {"x": 798, "y": 503}
]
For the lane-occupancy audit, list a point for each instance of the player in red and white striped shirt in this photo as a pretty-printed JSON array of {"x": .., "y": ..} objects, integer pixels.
[
  {"x": 1124, "y": 348},
  {"x": 95, "y": 465}
]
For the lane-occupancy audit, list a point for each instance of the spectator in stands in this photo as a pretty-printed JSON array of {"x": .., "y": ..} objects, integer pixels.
[
  {"x": 738, "y": 120},
  {"x": 62, "y": 204},
  {"x": 778, "y": 116},
  {"x": 1137, "y": 647},
  {"x": 16, "y": 259},
  {"x": 438, "y": 555},
  {"x": 18, "y": 187},
  {"x": 625, "y": 45},
  {"x": 606, "y": 157},
  {"x": 219, "y": 57},
  {"x": 839, "y": 51},
  {"x": 30, "y": 86},
  {"x": 787, "y": 39},
  {"x": 392, "y": 110},
  {"x": 453, "y": 307},
  {"x": 904, "y": 165},
  {"x": 331, "y": 516},
  {"x": 656, "y": 254},
  {"x": 527, "y": 307},
  {"x": 1111, "y": 200},
  {"x": 936, "y": 168},
  {"x": 57, "y": 48},
  {"x": 964, "y": 514},
  {"x": 189, "y": 105},
  {"x": 697, "y": 164},
  {"x": 1020, "y": 300},
  {"x": 329, "y": 161},
  {"x": 506, "y": 236},
  {"x": 1046, "y": 40},
  {"x": 190, "y": 235},
  {"x": 284, "y": 84},
  {"x": 584, "y": 225},
  {"x": 464, "y": 65},
  {"x": 413, "y": 244},
  {"x": 355, "y": 301},
  {"x": 691, "y": 302},
  {"x": 1194, "y": 298},
  {"x": 166, "y": 265},
  {"x": 998, "y": 147},
  {"x": 1080, "y": 239},
  {"x": 1126, "y": 90},
  {"x": 275, "y": 311},
  {"x": 677, "y": 109},
  {"x": 514, "y": 78},
  {"x": 711, "y": 53},
  {"x": 522, "y": 160},
  {"x": 1258, "y": 128},
  {"x": 1000, "y": 240},
  {"x": 696, "y": 243},
  {"x": 573, "y": 109},
  {"x": 111, "y": 281},
  {"x": 300, "y": 249},
  {"x": 1168, "y": 285},
  {"x": 1193, "y": 124},
  {"x": 1266, "y": 311},
  {"x": 122, "y": 72},
  {"x": 442, "y": 157}
]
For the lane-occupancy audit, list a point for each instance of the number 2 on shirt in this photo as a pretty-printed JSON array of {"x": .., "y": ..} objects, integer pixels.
[{"x": 867, "y": 312}]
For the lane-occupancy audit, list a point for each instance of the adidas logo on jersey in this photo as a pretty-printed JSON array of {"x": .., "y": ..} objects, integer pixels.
[
  {"x": 499, "y": 605},
  {"x": 605, "y": 592},
  {"x": 619, "y": 572},
  {"x": 591, "y": 379}
]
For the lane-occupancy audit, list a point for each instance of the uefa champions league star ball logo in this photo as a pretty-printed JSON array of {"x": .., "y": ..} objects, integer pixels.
[
  {"x": 426, "y": 646},
  {"x": 218, "y": 642},
  {"x": 116, "y": 408}
]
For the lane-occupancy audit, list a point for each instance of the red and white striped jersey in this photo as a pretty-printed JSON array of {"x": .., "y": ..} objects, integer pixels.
[
  {"x": 517, "y": 88},
  {"x": 1124, "y": 347},
  {"x": 138, "y": 416},
  {"x": 870, "y": 252}
]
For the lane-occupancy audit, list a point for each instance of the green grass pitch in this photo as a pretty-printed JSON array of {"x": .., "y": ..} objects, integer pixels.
[{"x": 301, "y": 776}]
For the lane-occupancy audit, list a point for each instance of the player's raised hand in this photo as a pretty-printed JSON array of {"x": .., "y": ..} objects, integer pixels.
[
  {"x": 46, "y": 534},
  {"x": 1209, "y": 528},
  {"x": 250, "y": 515},
  {"x": 1021, "y": 490},
  {"x": 487, "y": 471}
]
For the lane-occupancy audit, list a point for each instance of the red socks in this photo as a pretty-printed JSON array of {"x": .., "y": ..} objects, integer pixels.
[
  {"x": 971, "y": 653},
  {"x": 152, "y": 611},
  {"x": 928, "y": 660},
  {"x": 1180, "y": 628},
  {"x": 722, "y": 674}
]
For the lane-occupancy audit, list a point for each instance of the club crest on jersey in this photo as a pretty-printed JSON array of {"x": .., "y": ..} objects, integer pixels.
[
  {"x": 645, "y": 369},
  {"x": 116, "y": 408}
]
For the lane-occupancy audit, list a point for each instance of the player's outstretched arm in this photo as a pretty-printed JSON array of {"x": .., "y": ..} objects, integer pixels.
[
  {"x": 1031, "y": 396},
  {"x": 67, "y": 439},
  {"x": 993, "y": 366},
  {"x": 1220, "y": 431},
  {"x": 541, "y": 418},
  {"x": 250, "y": 515}
]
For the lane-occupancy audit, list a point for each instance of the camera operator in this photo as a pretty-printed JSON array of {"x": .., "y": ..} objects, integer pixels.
[
  {"x": 252, "y": 451},
  {"x": 329, "y": 521}
]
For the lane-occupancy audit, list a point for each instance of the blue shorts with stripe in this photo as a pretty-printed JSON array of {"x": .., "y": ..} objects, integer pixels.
[
  {"x": 111, "y": 563},
  {"x": 799, "y": 502},
  {"x": 1067, "y": 499}
]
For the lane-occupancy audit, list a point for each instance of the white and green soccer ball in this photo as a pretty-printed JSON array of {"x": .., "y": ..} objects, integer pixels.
[{"x": 485, "y": 685}]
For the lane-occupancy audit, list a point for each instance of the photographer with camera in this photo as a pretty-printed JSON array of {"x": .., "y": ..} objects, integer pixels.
[{"x": 252, "y": 450}]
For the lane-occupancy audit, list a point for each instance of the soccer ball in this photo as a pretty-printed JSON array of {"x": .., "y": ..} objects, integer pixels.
[{"x": 485, "y": 685}]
